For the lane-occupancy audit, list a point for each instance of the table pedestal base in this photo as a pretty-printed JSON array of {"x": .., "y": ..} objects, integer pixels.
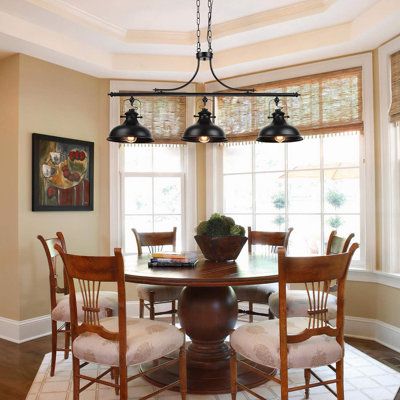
[
  {"x": 202, "y": 381},
  {"x": 208, "y": 315}
]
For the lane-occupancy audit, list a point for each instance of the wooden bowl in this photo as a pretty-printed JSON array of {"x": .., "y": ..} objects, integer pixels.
[{"x": 221, "y": 248}]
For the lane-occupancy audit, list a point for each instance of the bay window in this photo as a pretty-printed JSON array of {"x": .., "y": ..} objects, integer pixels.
[{"x": 314, "y": 186}]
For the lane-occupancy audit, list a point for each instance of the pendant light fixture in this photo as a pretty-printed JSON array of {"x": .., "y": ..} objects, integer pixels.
[
  {"x": 204, "y": 131},
  {"x": 278, "y": 131},
  {"x": 131, "y": 131}
]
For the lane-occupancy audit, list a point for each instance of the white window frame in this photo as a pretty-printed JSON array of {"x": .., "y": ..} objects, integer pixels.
[
  {"x": 189, "y": 194},
  {"x": 387, "y": 178},
  {"x": 367, "y": 159}
]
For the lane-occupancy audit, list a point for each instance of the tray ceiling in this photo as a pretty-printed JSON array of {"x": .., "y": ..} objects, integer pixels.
[{"x": 155, "y": 39}]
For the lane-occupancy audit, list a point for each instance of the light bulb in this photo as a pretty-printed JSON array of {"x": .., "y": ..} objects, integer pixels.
[
  {"x": 279, "y": 139},
  {"x": 204, "y": 139},
  {"x": 131, "y": 139}
]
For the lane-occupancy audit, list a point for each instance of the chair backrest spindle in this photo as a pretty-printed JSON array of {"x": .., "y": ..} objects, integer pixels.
[
  {"x": 52, "y": 257},
  {"x": 155, "y": 241},
  {"x": 271, "y": 239},
  {"x": 317, "y": 274},
  {"x": 88, "y": 273}
]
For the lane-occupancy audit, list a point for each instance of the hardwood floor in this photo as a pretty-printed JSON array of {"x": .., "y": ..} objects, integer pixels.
[{"x": 19, "y": 362}]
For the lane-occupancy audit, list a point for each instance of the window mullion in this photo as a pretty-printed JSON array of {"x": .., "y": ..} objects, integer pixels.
[
  {"x": 322, "y": 193},
  {"x": 286, "y": 174},
  {"x": 253, "y": 185}
]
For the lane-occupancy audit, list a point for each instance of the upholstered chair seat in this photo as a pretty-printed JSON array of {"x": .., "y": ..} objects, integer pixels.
[
  {"x": 297, "y": 304},
  {"x": 146, "y": 340},
  {"x": 259, "y": 342},
  {"x": 255, "y": 293},
  {"x": 161, "y": 292},
  {"x": 108, "y": 301}
]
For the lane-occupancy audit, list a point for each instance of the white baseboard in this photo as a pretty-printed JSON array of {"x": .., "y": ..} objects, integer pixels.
[
  {"x": 23, "y": 331},
  {"x": 33, "y": 328},
  {"x": 373, "y": 329},
  {"x": 363, "y": 328}
]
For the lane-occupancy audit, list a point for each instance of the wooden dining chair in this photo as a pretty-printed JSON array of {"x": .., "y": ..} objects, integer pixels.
[
  {"x": 59, "y": 298},
  {"x": 300, "y": 342},
  {"x": 151, "y": 295},
  {"x": 115, "y": 342},
  {"x": 260, "y": 294},
  {"x": 297, "y": 300}
]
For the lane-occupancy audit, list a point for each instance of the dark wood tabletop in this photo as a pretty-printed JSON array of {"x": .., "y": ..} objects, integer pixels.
[{"x": 246, "y": 270}]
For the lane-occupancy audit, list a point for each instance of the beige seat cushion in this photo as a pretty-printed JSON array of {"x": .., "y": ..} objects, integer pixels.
[
  {"x": 146, "y": 340},
  {"x": 161, "y": 293},
  {"x": 259, "y": 342},
  {"x": 106, "y": 300},
  {"x": 297, "y": 304},
  {"x": 255, "y": 293}
]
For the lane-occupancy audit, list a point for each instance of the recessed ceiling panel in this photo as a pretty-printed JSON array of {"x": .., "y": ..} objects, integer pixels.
[{"x": 171, "y": 15}]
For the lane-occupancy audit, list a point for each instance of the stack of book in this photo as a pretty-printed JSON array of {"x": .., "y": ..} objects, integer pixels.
[{"x": 173, "y": 260}]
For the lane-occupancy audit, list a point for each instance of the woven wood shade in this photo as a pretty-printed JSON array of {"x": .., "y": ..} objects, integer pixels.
[
  {"x": 329, "y": 103},
  {"x": 165, "y": 117},
  {"x": 394, "y": 112}
]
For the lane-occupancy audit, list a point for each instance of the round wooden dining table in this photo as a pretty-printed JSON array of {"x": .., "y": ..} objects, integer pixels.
[{"x": 208, "y": 313}]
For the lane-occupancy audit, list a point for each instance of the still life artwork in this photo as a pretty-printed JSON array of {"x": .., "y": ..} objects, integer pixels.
[{"x": 62, "y": 174}]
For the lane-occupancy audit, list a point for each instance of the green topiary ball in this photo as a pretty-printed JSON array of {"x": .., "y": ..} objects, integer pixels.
[
  {"x": 219, "y": 225},
  {"x": 202, "y": 228},
  {"x": 237, "y": 230}
]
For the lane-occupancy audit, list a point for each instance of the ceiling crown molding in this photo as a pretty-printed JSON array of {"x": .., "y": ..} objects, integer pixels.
[
  {"x": 239, "y": 25},
  {"x": 75, "y": 14}
]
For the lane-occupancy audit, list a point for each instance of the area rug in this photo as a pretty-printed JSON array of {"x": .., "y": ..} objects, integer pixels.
[{"x": 365, "y": 379}]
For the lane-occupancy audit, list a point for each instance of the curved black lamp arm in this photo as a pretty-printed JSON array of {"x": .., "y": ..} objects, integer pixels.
[
  {"x": 132, "y": 101},
  {"x": 227, "y": 86},
  {"x": 184, "y": 85}
]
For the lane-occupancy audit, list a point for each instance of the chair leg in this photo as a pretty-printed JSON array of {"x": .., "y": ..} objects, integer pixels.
[
  {"x": 183, "y": 372},
  {"x": 284, "y": 385},
  {"x": 53, "y": 347},
  {"x": 173, "y": 307},
  {"x": 233, "y": 372},
  {"x": 141, "y": 308},
  {"x": 307, "y": 377},
  {"x": 151, "y": 301},
  {"x": 67, "y": 337},
  {"x": 123, "y": 384},
  {"x": 115, "y": 372},
  {"x": 250, "y": 311},
  {"x": 271, "y": 314},
  {"x": 339, "y": 377},
  {"x": 75, "y": 374}
]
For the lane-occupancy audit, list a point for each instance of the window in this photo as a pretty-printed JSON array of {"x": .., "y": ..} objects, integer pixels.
[
  {"x": 312, "y": 186},
  {"x": 152, "y": 188},
  {"x": 315, "y": 186},
  {"x": 389, "y": 79},
  {"x": 152, "y": 184}
]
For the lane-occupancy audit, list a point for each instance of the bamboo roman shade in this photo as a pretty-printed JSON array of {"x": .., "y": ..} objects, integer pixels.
[
  {"x": 329, "y": 103},
  {"x": 394, "y": 112},
  {"x": 165, "y": 117}
]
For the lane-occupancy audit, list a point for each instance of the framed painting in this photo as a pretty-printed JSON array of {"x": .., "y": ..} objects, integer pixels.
[{"x": 62, "y": 174}]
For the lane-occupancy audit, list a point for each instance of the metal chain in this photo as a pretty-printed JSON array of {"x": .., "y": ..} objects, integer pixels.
[
  {"x": 198, "y": 26},
  {"x": 209, "y": 32}
]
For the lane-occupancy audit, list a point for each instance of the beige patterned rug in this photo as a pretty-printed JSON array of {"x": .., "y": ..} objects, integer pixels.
[{"x": 365, "y": 379}]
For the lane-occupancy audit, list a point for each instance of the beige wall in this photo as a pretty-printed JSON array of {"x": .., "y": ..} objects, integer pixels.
[
  {"x": 56, "y": 101},
  {"x": 37, "y": 96},
  {"x": 9, "y": 282}
]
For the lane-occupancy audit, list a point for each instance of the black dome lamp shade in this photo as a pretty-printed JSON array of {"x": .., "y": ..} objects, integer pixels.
[
  {"x": 279, "y": 131},
  {"x": 131, "y": 131},
  {"x": 204, "y": 131}
]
